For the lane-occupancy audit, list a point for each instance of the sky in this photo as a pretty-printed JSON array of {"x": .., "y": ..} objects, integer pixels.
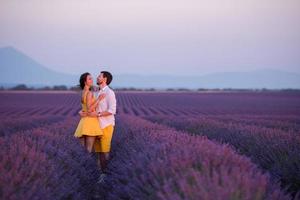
[{"x": 188, "y": 37}]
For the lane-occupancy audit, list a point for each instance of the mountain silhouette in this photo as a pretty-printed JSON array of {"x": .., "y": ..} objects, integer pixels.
[{"x": 18, "y": 68}]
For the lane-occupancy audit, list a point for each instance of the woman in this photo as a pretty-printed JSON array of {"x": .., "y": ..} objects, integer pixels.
[{"x": 88, "y": 128}]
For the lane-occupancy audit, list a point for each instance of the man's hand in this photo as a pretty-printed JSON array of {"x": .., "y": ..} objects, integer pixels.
[
  {"x": 104, "y": 114},
  {"x": 83, "y": 113}
]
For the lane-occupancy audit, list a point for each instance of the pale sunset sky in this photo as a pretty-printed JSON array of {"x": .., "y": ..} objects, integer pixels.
[{"x": 191, "y": 37}]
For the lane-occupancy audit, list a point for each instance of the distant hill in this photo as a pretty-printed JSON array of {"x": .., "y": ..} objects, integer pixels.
[
  {"x": 270, "y": 79},
  {"x": 17, "y": 68}
]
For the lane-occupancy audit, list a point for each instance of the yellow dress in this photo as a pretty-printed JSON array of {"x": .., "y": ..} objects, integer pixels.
[{"x": 89, "y": 126}]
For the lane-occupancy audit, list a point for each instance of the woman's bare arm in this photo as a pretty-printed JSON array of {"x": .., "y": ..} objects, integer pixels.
[{"x": 92, "y": 105}]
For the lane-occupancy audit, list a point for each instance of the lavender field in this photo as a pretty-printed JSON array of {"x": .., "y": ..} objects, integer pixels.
[{"x": 237, "y": 145}]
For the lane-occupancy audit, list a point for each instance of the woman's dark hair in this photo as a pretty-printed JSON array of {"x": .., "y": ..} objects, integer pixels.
[
  {"x": 82, "y": 79},
  {"x": 108, "y": 76}
]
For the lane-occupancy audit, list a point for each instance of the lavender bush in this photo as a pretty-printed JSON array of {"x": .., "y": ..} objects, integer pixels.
[
  {"x": 274, "y": 150},
  {"x": 40, "y": 158},
  {"x": 46, "y": 163},
  {"x": 9, "y": 126},
  {"x": 262, "y": 125},
  {"x": 155, "y": 162}
]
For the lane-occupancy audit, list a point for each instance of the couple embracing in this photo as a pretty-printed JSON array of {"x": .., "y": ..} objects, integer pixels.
[{"x": 96, "y": 126}]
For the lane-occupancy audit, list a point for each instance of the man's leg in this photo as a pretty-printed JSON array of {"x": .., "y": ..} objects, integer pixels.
[
  {"x": 104, "y": 157},
  {"x": 105, "y": 147},
  {"x": 97, "y": 149}
]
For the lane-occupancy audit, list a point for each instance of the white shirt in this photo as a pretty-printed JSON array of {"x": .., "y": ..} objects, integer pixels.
[{"x": 109, "y": 104}]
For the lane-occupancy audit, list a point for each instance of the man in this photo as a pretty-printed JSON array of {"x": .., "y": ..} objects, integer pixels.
[{"x": 106, "y": 111}]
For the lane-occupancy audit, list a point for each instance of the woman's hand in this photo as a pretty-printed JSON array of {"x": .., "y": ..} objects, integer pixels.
[
  {"x": 92, "y": 114},
  {"x": 83, "y": 113},
  {"x": 100, "y": 97}
]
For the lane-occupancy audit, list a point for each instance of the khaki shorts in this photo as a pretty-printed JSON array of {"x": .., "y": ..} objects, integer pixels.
[{"x": 103, "y": 143}]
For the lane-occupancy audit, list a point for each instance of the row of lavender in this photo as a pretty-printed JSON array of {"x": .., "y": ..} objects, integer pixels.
[
  {"x": 273, "y": 146},
  {"x": 250, "y": 103},
  {"x": 151, "y": 104},
  {"x": 44, "y": 161},
  {"x": 227, "y": 118},
  {"x": 9, "y": 126},
  {"x": 149, "y": 162},
  {"x": 152, "y": 161},
  {"x": 264, "y": 126},
  {"x": 38, "y": 104}
]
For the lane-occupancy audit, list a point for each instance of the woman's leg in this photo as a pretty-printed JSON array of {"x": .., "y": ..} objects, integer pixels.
[
  {"x": 98, "y": 160},
  {"x": 90, "y": 140},
  {"x": 82, "y": 140}
]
